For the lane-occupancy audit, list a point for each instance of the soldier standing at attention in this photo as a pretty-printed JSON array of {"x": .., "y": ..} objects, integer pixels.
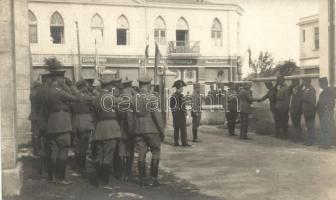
[
  {"x": 59, "y": 125},
  {"x": 245, "y": 101},
  {"x": 308, "y": 108},
  {"x": 179, "y": 111},
  {"x": 271, "y": 96},
  {"x": 296, "y": 108},
  {"x": 196, "y": 112},
  {"x": 282, "y": 109},
  {"x": 232, "y": 108},
  {"x": 108, "y": 131},
  {"x": 126, "y": 113},
  {"x": 325, "y": 108},
  {"x": 82, "y": 126},
  {"x": 148, "y": 130}
]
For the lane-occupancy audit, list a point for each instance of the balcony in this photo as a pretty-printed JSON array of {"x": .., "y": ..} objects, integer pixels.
[{"x": 184, "y": 49}]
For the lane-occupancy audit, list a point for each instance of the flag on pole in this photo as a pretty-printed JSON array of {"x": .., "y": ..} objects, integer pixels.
[
  {"x": 250, "y": 57},
  {"x": 96, "y": 58},
  {"x": 156, "y": 62},
  {"x": 146, "y": 56}
]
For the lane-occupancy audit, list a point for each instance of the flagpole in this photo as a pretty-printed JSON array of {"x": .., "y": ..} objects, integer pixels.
[
  {"x": 96, "y": 59},
  {"x": 79, "y": 73}
]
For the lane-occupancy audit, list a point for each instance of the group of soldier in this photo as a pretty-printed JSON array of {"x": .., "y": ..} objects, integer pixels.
[
  {"x": 109, "y": 119},
  {"x": 295, "y": 100}
]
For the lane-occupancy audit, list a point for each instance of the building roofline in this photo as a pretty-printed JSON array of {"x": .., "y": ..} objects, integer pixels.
[
  {"x": 308, "y": 19},
  {"x": 147, "y": 4}
]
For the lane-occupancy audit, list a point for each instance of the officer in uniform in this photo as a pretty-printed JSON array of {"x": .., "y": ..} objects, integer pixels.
[
  {"x": 282, "y": 108},
  {"x": 232, "y": 108},
  {"x": 82, "y": 125},
  {"x": 296, "y": 108},
  {"x": 59, "y": 124},
  {"x": 42, "y": 121},
  {"x": 179, "y": 111},
  {"x": 196, "y": 112},
  {"x": 148, "y": 130},
  {"x": 108, "y": 133},
  {"x": 271, "y": 96},
  {"x": 325, "y": 108},
  {"x": 308, "y": 108},
  {"x": 126, "y": 113},
  {"x": 33, "y": 117},
  {"x": 245, "y": 101}
]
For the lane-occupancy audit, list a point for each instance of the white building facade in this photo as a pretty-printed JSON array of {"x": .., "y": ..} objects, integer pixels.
[
  {"x": 199, "y": 40},
  {"x": 309, "y": 44}
]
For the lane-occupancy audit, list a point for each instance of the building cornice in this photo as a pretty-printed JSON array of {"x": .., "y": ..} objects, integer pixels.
[
  {"x": 308, "y": 20},
  {"x": 145, "y": 4}
]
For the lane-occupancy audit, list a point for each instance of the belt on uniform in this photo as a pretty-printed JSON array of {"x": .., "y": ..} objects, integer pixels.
[{"x": 61, "y": 110}]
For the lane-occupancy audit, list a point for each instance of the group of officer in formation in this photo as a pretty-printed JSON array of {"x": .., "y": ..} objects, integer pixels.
[
  {"x": 295, "y": 100},
  {"x": 79, "y": 115},
  {"x": 115, "y": 119}
]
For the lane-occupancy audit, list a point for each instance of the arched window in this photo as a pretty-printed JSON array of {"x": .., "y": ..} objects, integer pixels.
[
  {"x": 97, "y": 28},
  {"x": 182, "y": 32},
  {"x": 57, "y": 28},
  {"x": 32, "y": 27},
  {"x": 160, "y": 31},
  {"x": 216, "y": 33},
  {"x": 122, "y": 31}
]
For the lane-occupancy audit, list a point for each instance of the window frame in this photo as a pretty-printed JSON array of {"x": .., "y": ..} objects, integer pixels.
[
  {"x": 216, "y": 33},
  {"x": 32, "y": 24},
  {"x": 316, "y": 38},
  {"x": 60, "y": 26}
]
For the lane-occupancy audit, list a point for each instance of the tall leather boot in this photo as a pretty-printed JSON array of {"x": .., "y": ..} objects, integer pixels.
[
  {"x": 124, "y": 174},
  {"x": 129, "y": 162},
  {"x": 62, "y": 173},
  {"x": 106, "y": 176},
  {"x": 142, "y": 172},
  {"x": 154, "y": 171},
  {"x": 195, "y": 135},
  {"x": 176, "y": 137}
]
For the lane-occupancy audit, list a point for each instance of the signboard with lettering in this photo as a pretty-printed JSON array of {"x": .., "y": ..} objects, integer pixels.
[{"x": 38, "y": 60}]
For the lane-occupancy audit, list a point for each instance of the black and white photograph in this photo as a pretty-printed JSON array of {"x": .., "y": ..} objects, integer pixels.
[{"x": 168, "y": 99}]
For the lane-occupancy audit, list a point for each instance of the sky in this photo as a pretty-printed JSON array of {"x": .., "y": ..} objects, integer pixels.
[{"x": 272, "y": 25}]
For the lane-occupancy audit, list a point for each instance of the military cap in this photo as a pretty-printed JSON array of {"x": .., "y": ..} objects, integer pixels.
[
  {"x": 57, "y": 73},
  {"x": 179, "y": 84},
  {"x": 90, "y": 80},
  {"x": 144, "y": 80},
  {"x": 106, "y": 81},
  {"x": 126, "y": 82},
  {"x": 323, "y": 80},
  {"x": 81, "y": 83}
]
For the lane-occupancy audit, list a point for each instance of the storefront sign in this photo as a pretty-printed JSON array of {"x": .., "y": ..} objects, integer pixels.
[
  {"x": 107, "y": 60},
  {"x": 38, "y": 60}
]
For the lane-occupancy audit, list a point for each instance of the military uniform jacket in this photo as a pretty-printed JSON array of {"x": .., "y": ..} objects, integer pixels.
[
  {"x": 108, "y": 124},
  {"x": 245, "y": 100},
  {"x": 308, "y": 99},
  {"x": 59, "y": 120},
  {"x": 82, "y": 120},
  {"x": 283, "y": 98},
  {"x": 147, "y": 118},
  {"x": 196, "y": 105},
  {"x": 126, "y": 112},
  {"x": 326, "y": 102},
  {"x": 177, "y": 105},
  {"x": 296, "y": 101},
  {"x": 271, "y": 95}
]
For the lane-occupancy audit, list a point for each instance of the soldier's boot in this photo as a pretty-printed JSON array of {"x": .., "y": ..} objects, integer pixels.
[
  {"x": 106, "y": 176},
  {"x": 62, "y": 173},
  {"x": 124, "y": 174},
  {"x": 129, "y": 162},
  {"x": 97, "y": 174},
  {"x": 142, "y": 173},
  {"x": 49, "y": 169},
  {"x": 176, "y": 137},
  {"x": 154, "y": 171},
  {"x": 195, "y": 135}
]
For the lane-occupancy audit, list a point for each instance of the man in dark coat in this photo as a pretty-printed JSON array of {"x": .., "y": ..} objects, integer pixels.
[
  {"x": 179, "y": 111},
  {"x": 83, "y": 126},
  {"x": 59, "y": 126},
  {"x": 107, "y": 133},
  {"x": 308, "y": 108},
  {"x": 296, "y": 108},
  {"x": 126, "y": 113},
  {"x": 33, "y": 117},
  {"x": 245, "y": 101},
  {"x": 270, "y": 96},
  {"x": 232, "y": 108},
  {"x": 282, "y": 109},
  {"x": 196, "y": 112},
  {"x": 148, "y": 130},
  {"x": 325, "y": 108}
]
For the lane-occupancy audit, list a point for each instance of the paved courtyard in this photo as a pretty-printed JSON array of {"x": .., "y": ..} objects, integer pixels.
[{"x": 262, "y": 168}]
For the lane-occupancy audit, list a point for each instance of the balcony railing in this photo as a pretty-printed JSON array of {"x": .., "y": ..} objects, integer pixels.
[{"x": 184, "y": 47}]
